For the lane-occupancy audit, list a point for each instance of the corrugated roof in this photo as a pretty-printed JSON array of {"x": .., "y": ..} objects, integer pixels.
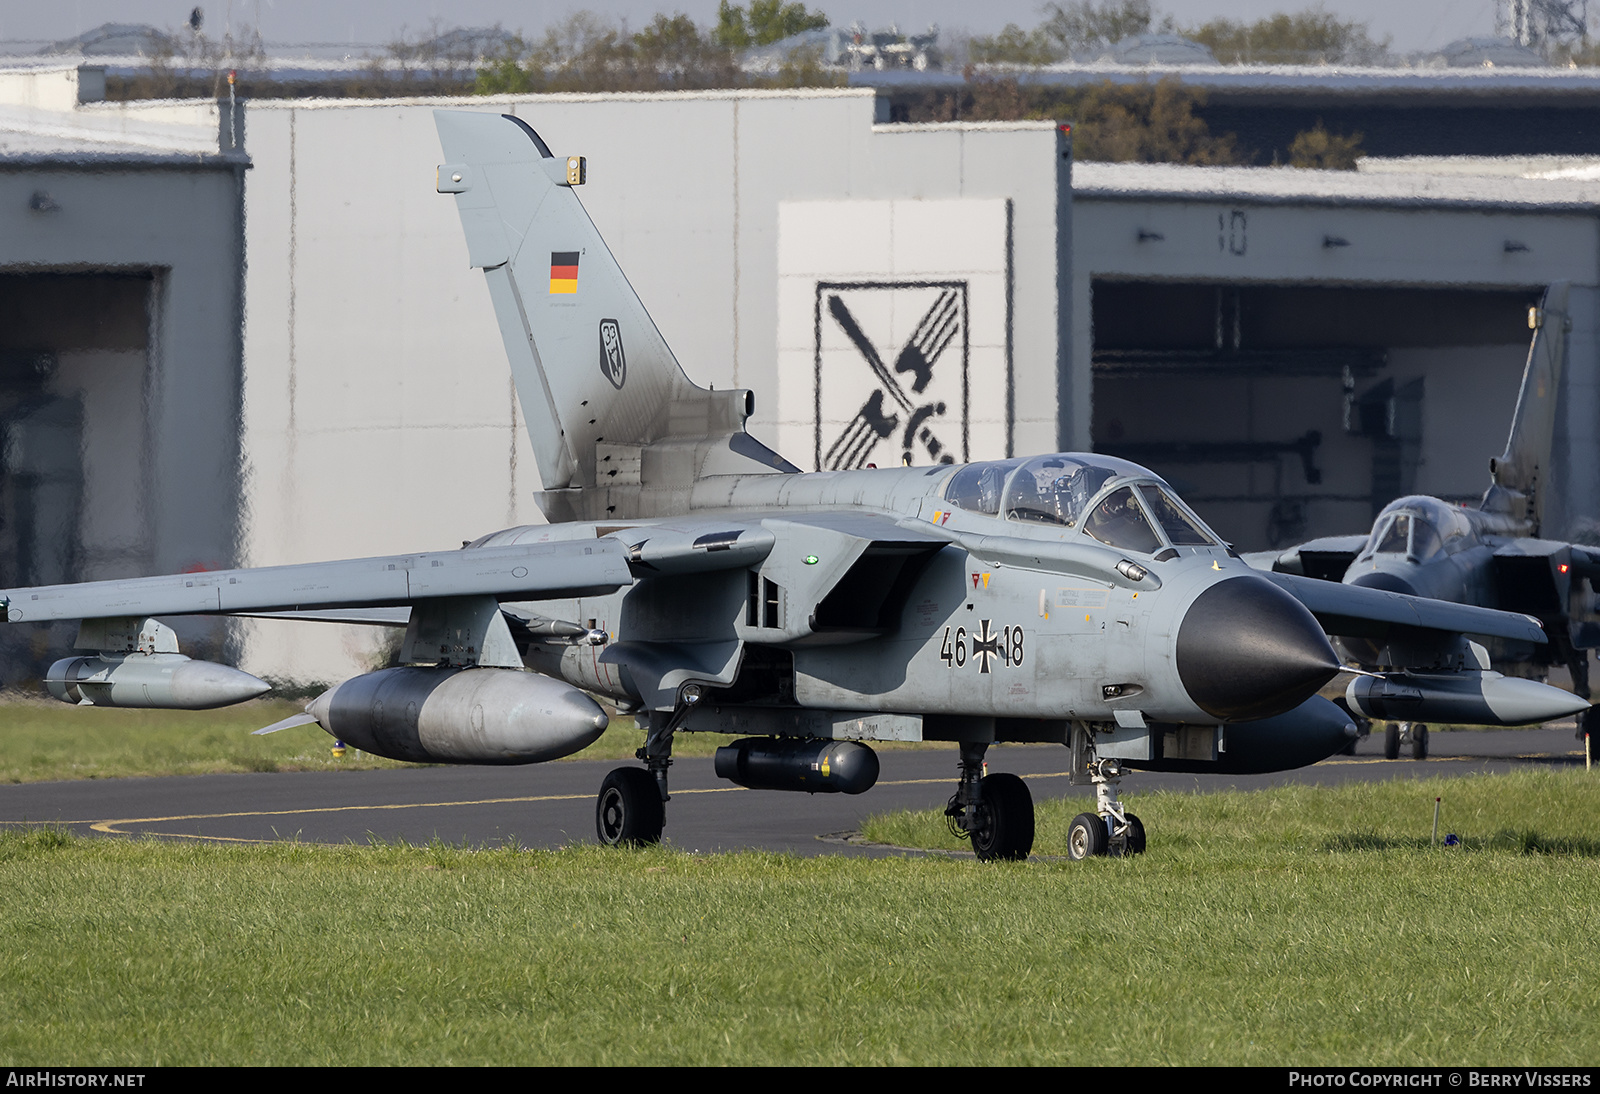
[{"x": 1281, "y": 185}]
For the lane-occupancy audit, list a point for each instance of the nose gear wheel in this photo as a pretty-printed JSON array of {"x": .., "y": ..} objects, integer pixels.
[{"x": 1110, "y": 829}]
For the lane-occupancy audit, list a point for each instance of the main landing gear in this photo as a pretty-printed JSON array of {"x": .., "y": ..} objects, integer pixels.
[
  {"x": 1413, "y": 733},
  {"x": 1111, "y": 829},
  {"x": 631, "y": 809},
  {"x": 994, "y": 811}
]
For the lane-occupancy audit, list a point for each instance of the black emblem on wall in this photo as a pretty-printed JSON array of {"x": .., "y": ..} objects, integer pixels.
[
  {"x": 613, "y": 362},
  {"x": 898, "y": 350}
]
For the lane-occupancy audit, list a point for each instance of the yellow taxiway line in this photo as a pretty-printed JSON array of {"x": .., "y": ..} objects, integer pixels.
[{"x": 116, "y": 826}]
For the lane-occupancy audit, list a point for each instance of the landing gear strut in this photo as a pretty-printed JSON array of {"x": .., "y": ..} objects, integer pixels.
[
  {"x": 994, "y": 811},
  {"x": 1110, "y": 829},
  {"x": 1589, "y": 720},
  {"x": 631, "y": 808}
]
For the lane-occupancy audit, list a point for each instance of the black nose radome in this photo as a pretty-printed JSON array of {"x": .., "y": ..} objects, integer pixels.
[
  {"x": 1383, "y": 579},
  {"x": 1247, "y": 649}
]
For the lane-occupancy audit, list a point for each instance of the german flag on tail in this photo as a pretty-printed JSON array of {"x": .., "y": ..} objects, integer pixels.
[{"x": 563, "y": 272}]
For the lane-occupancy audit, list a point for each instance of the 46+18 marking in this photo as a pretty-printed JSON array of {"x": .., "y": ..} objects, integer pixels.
[{"x": 985, "y": 647}]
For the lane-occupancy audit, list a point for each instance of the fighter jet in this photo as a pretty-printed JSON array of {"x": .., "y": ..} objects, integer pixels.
[
  {"x": 696, "y": 580},
  {"x": 1490, "y": 556}
]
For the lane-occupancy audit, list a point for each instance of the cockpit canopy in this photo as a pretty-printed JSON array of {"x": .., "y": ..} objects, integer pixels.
[
  {"x": 1418, "y": 528},
  {"x": 1118, "y": 503}
]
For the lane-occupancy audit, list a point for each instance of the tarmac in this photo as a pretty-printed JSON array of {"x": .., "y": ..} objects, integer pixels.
[{"x": 553, "y": 805}]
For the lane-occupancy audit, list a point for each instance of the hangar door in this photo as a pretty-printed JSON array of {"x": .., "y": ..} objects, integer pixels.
[
  {"x": 74, "y": 366},
  {"x": 1287, "y": 412}
]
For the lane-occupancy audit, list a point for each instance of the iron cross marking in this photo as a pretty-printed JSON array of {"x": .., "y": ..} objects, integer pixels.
[{"x": 985, "y": 646}]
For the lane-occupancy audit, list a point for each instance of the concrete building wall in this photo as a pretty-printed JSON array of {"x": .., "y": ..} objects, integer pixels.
[{"x": 378, "y": 411}]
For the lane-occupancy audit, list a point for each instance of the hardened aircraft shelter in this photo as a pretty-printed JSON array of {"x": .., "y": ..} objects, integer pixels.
[{"x": 1296, "y": 348}]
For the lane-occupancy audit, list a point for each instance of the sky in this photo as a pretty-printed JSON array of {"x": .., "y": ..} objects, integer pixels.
[{"x": 1411, "y": 24}]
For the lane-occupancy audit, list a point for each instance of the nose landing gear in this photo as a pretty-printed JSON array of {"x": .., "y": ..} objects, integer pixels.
[{"x": 1111, "y": 829}]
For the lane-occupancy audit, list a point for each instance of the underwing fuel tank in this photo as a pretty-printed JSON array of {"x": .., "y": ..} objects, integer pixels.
[
  {"x": 813, "y": 765},
  {"x": 1461, "y": 698},
  {"x": 162, "y": 681},
  {"x": 460, "y": 716}
]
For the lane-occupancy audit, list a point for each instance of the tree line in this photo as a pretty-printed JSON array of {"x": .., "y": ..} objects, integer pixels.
[
  {"x": 1156, "y": 122},
  {"x": 586, "y": 52},
  {"x": 1083, "y": 30}
]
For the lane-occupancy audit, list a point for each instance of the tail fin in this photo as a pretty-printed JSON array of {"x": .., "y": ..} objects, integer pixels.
[
  {"x": 612, "y": 417},
  {"x": 1521, "y": 473}
]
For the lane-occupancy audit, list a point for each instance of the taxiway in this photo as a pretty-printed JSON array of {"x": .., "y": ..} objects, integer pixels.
[{"x": 551, "y": 805}]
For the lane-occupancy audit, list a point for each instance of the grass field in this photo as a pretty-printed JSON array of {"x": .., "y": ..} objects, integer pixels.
[
  {"x": 1555, "y": 812},
  {"x": 41, "y": 739},
  {"x": 1294, "y": 926},
  {"x": 46, "y": 740}
]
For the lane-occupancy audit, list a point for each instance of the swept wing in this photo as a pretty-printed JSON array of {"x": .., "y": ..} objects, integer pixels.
[
  {"x": 1355, "y": 611},
  {"x": 533, "y": 571}
]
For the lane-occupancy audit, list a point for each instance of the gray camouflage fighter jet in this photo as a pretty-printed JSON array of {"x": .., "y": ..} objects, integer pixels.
[
  {"x": 697, "y": 580},
  {"x": 1490, "y": 556}
]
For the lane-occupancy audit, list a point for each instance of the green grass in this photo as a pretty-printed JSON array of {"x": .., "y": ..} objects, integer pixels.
[
  {"x": 44, "y": 740},
  {"x": 41, "y": 739},
  {"x": 1553, "y": 811},
  {"x": 1301, "y": 926}
]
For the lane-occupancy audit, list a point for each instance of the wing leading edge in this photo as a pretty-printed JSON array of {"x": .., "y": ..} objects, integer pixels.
[
  {"x": 531, "y": 571},
  {"x": 1354, "y": 611}
]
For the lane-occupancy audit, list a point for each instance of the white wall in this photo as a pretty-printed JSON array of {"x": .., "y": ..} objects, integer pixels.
[
  {"x": 378, "y": 410},
  {"x": 928, "y": 276}
]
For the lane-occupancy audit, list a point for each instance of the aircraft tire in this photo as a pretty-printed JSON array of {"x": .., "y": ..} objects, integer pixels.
[
  {"x": 1007, "y": 835},
  {"x": 1391, "y": 742},
  {"x": 1419, "y": 741},
  {"x": 1087, "y": 837},
  {"x": 1135, "y": 835},
  {"x": 629, "y": 811}
]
